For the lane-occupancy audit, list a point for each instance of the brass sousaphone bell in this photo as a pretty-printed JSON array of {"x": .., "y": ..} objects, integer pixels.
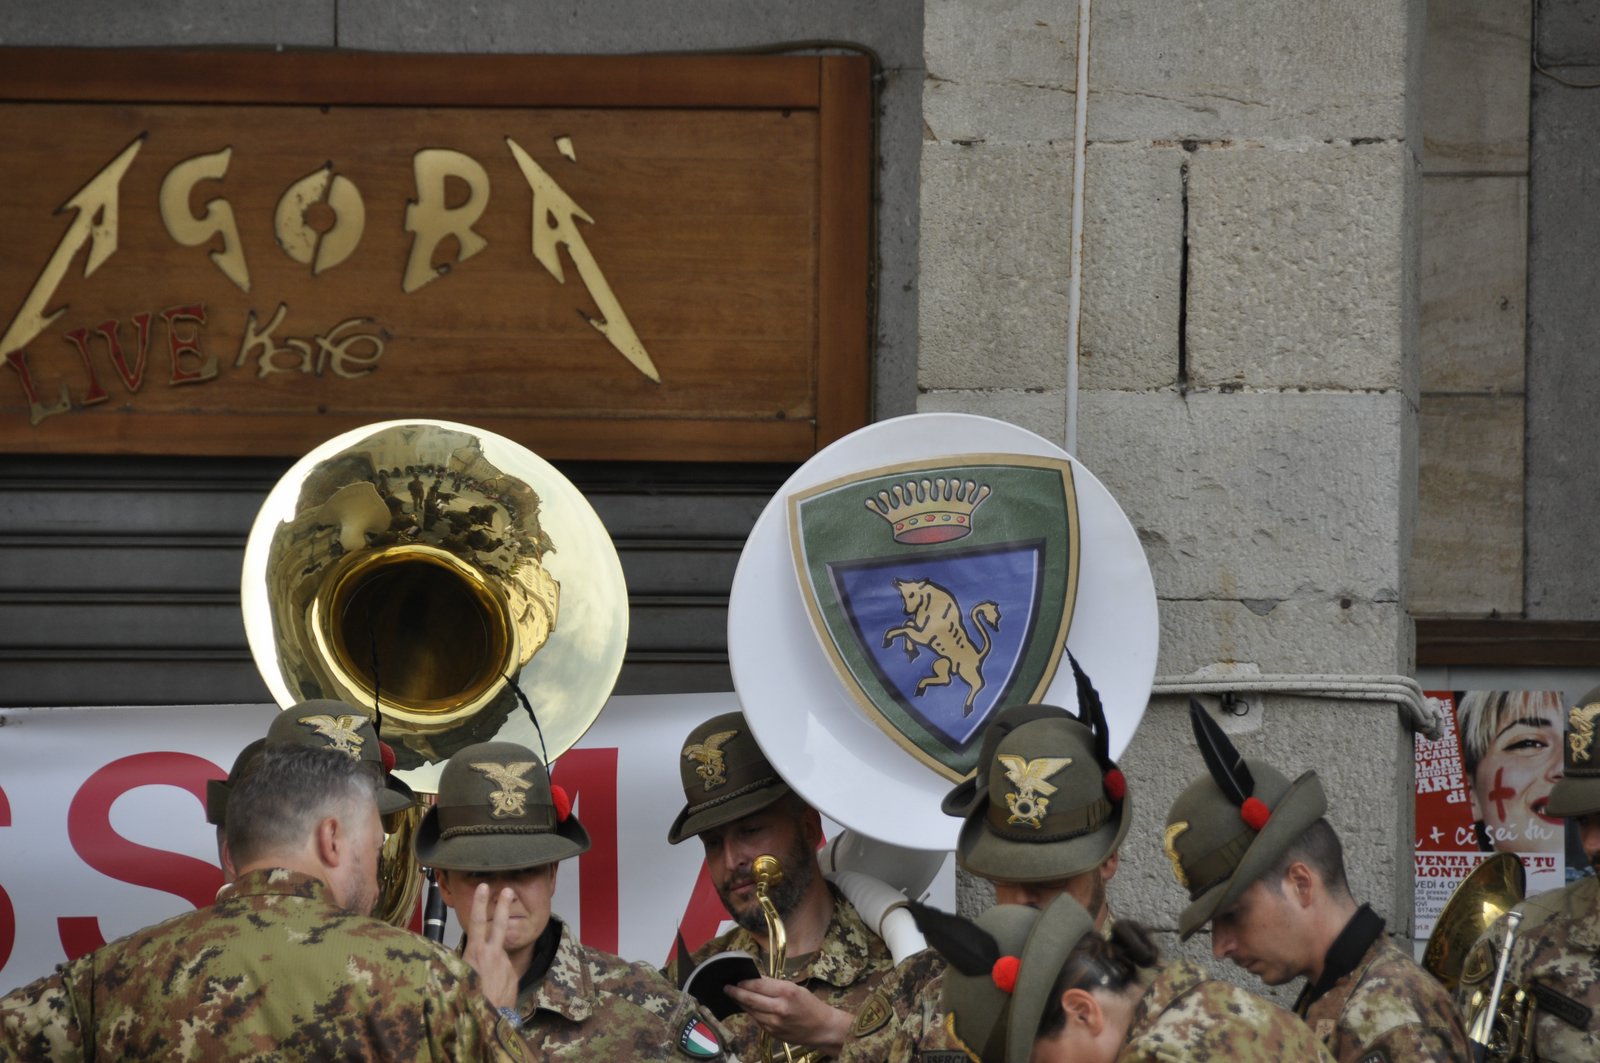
[
  {"x": 1499, "y": 1022},
  {"x": 426, "y": 571}
]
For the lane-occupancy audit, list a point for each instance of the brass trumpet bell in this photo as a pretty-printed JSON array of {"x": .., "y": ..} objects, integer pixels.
[
  {"x": 1492, "y": 889},
  {"x": 420, "y": 567}
]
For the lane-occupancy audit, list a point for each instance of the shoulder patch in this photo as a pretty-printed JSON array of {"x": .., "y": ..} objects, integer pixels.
[
  {"x": 1563, "y": 1007},
  {"x": 698, "y": 1040},
  {"x": 943, "y": 1055},
  {"x": 1478, "y": 964},
  {"x": 875, "y": 1014}
]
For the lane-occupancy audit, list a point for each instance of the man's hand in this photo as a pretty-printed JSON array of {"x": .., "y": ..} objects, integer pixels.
[
  {"x": 790, "y": 1013},
  {"x": 486, "y": 950}
]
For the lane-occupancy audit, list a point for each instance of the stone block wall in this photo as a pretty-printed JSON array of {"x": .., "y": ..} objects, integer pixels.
[{"x": 1248, "y": 364}]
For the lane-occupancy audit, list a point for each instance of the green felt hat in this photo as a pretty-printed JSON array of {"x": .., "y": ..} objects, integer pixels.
[
  {"x": 328, "y": 724},
  {"x": 1232, "y": 824},
  {"x": 498, "y": 812},
  {"x": 725, "y": 777},
  {"x": 1577, "y": 792},
  {"x": 219, "y": 790},
  {"x": 1045, "y": 802},
  {"x": 995, "y": 1021}
]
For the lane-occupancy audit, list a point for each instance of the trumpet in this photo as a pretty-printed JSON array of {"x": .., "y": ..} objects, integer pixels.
[{"x": 769, "y": 872}]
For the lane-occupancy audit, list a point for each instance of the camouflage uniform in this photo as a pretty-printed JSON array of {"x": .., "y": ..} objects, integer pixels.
[
  {"x": 1387, "y": 1009},
  {"x": 1185, "y": 1016},
  {"x": 593, "y": 1005},
  {"x": 902, "y": 1020},
  {"x": 848, "y": 966},
  {"x": 1557, "y": 957},
  {"x": 273, "y": 971}
]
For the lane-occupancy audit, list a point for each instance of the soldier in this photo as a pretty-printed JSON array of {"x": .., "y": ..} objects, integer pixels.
[
  {"x": 1045, "y": 814},
  {"x": 1553, "y": 954},
  {"x": 1024, "y": 985},
  {"x": 1264, "y": 867},
  {"x": 740, "y": 809},
  {"x": 501, "y": 828},
  {"x": 286, "y": 963}
]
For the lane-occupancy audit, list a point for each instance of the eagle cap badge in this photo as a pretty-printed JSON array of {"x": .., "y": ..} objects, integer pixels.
[
  {"x": 341, "y": 732},
  {"x": 710, "y": 764},
  {"x": 511, "y": 799},
  {"x": 1030, "y": 803}
]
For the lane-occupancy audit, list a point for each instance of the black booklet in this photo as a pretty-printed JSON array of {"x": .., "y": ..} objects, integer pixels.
[{"x": 708, "y": 982}]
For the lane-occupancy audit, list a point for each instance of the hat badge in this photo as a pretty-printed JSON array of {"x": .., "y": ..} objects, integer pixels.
[
  {"x": 511, "y": 799},
  {"x": 1581, "y": 734},
  {"x": 340, "y": 732},
  {"x": 707, "y": 755},
  {"x": 1169, "y": 842},
  {"x": 1030, "y": 803}
]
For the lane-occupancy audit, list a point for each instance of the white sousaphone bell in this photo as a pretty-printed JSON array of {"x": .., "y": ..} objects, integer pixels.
[
  {"x": 426, "y": 572},
  {"x": 810, "y": 647}
]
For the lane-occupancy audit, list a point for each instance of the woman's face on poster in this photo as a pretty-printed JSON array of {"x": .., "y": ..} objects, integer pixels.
[{"x": 1512, "y": 783}]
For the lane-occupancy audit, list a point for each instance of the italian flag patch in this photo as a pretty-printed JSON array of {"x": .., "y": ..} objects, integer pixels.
[{"x": 699, "y": 1041}]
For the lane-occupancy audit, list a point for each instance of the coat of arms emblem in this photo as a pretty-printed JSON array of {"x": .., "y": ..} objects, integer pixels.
[{"x": 941, "y": 591}]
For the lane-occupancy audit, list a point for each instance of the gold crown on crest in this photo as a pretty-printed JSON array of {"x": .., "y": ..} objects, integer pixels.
[{"x": 929, "y": 511}]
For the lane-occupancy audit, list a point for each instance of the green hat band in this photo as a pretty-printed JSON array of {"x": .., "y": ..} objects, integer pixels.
[
  {"x": 722, "y": 799},
  {"x": 1214, "y": 868},
  {"x": 1055, "y": 826},
  {"x": 477, "y": 819}
]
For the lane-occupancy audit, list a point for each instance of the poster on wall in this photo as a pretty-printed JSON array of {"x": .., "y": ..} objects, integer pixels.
[{"x": 1482, "y": 787}]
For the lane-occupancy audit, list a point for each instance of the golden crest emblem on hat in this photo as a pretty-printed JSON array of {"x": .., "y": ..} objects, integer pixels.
[
  {"x": 340, "y": 732},
  {"x": 512, "y": 797},
  {"x": 708, "y": 758},
  {"x": 1169, "y": 842},
  {"x": 1029, "y": 805},
  {"x": 1580, "y": 733}
]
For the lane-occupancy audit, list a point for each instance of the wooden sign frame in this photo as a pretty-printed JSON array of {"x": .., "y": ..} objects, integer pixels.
[{"x": 622, "y": 416}]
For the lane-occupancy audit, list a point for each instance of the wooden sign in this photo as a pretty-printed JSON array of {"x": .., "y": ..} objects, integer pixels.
[{"x": 613, "y": 258}]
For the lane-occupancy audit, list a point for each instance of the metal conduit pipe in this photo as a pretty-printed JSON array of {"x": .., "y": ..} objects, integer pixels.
[{"x": 1400, "y": 690}]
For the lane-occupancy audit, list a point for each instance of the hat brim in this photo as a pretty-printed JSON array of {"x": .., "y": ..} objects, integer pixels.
[
  {"x": 1574, "y": 796},
  {"x": 1302, "y": 805},
  {"x": 497, "y": 852},
  {"x": 394, "y": 796},
  {"x": 1062, "y": 924},
  {"x": 688, "y": 824},
  {"x": 1007, "y": 860}
]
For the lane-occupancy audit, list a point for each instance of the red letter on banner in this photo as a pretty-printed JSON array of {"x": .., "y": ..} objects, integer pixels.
[
  {"x": 102, "y": 848},
  {"x": 8, "y": 914},
  {"x": 590, "y": 778}
]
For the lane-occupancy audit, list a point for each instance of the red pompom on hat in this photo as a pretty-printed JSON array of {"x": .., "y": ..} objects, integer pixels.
[
  {"x": 386, "y": 751},
  {"x": 1255, "y": 813},
  {"x": 1116, "y": 784},
  {"x": 563, "y": 803},
  {"x": 1005, "y": 973}
]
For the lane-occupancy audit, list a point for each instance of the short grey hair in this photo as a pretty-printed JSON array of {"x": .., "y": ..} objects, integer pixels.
[{"x": 285, "y": 791}]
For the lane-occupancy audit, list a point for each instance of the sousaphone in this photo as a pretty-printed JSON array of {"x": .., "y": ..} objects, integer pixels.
[{"x": 435, "y": 575}]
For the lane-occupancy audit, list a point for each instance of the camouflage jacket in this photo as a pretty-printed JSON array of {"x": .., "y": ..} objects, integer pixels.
[
  {"x": 1556, "y": 959},
  {"x": 273, "y": 971},
  {"x": 593, "y": 1005},
  {"x": 1388, "y": 1009},
  {"x": 848, "y": 966},
  {"x": 1185, "y": 1016}
]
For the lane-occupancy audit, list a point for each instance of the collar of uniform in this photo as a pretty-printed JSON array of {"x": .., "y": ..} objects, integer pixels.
[
  {"x": 278, "y": 882},
  {"x": 1173, "y": 981},
  {"x": 565, "y": 988},
  {"x": 1350, "y": 950}
]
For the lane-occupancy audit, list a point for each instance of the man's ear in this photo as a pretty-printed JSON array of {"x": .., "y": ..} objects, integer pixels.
[
  {"x": 330, "y": 841},
  {"x": 811, "y": 828},
  {"x": 1108, "y": 866},
  {"x": 1301, "y": 883},
  {"x": 1083, "y": 1010}
]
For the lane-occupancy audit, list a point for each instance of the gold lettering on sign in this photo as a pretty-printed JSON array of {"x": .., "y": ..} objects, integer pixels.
[
  {"x": 302, "y": 230},
  {"x": 430, "y": 220},
  {"x": 191, "y": 231},
  {"x": 555, "y": 225},
  {"x": 95, "y": 224}
]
